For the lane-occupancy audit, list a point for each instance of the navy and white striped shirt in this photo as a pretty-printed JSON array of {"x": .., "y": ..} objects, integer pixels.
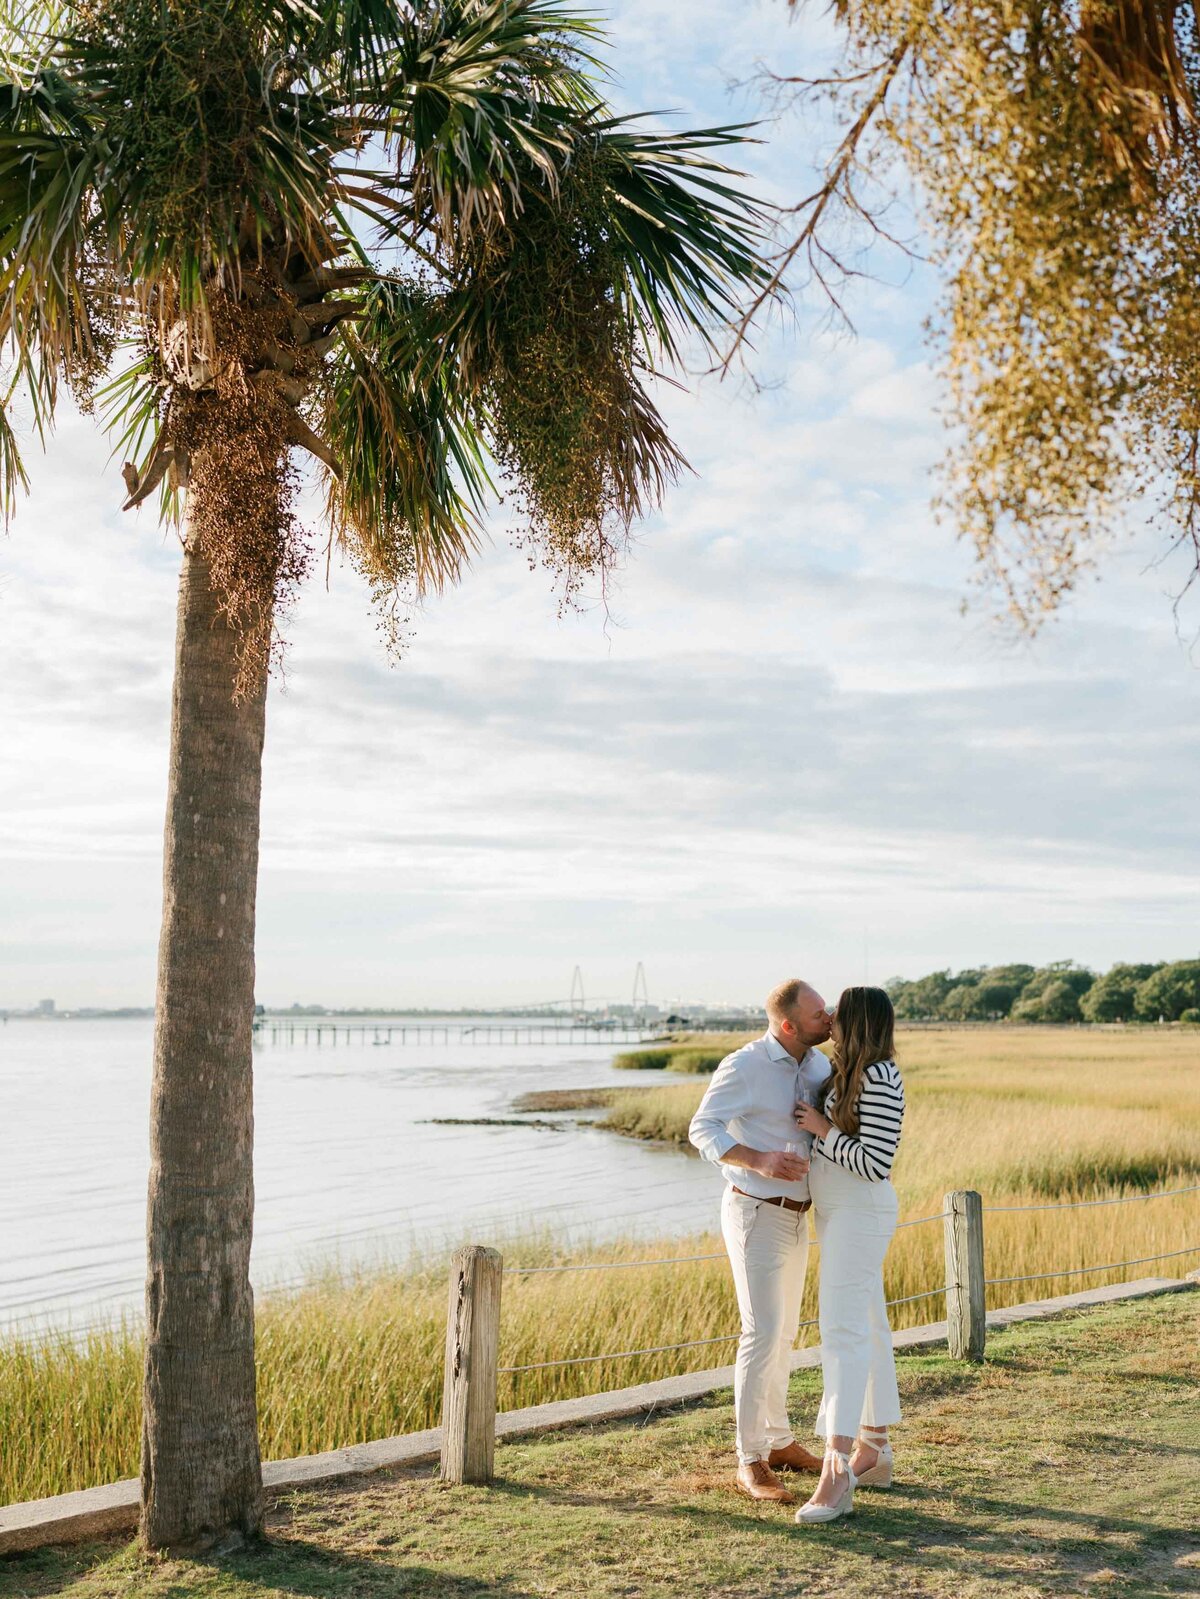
[{"x": 880, "y": 1112}]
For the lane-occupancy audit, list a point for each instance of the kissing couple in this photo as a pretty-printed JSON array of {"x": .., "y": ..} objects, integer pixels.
[{"x": 793, "y": 1130}]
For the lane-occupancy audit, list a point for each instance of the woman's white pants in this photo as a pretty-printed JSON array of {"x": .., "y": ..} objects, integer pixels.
[
  {"x": 855, "y": 1220},
  {"x": 768, "y": 1251}
]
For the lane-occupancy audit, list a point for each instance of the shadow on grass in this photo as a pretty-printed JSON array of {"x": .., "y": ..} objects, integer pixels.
[
  {"x": 280, "y": 1566},
  {"x": 1000, "y": 1541},
  {"x": 294, "y": 1567},
  {"x": 1168, "y": 1379},
  {"x": 1122, "y": 1444},
  {"x": 49, "y": 1571}
]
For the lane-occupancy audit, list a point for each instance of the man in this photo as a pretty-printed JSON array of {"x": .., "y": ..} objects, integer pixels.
[{"x": 746, "y": 1123}]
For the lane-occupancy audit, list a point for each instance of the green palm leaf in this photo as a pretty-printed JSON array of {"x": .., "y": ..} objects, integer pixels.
[
  {"x": 687, "y": 236},
  {"x": 412, "y": 477},
  {"x": 46, "y": 217},
  {"x": 480, "y": 90}
]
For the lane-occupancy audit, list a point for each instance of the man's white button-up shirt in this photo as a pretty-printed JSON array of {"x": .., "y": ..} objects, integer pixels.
[{"x": 752, "y": 1100}]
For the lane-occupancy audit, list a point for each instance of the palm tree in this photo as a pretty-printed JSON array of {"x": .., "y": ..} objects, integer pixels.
[{"x": 410, "y": 240}]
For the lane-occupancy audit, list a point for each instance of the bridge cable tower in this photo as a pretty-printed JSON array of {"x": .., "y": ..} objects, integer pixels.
[
  {"x": 641, "y": 994},
  {"x": 578, "y": 1000}
]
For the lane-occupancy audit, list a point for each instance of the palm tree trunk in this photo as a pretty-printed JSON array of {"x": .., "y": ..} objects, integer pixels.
[{"x": 201, "y": 1473}]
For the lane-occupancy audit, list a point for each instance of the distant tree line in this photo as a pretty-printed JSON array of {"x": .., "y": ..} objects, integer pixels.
[{"x": 1060, "y": 992}]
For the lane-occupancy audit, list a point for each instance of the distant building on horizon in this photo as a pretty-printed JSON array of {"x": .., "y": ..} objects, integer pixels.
[{"x": 44, "y": 1007}]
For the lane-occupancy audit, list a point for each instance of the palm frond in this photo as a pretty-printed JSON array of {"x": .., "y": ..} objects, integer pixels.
[
  {"x": 28, "y": 32},
  {"x": 481, "y": 91},
  {"x": 413, "y": 476},
  {"x": 44, "y": 101},
  {"x": 45, "y": 176},
  {"x": 357, "y": 37},
  {"x": 129, "y": 407},
  {"x": 47, "y": 212},
  {"x": 12, "y": 468},
  {"x": 690, "y": 236}
]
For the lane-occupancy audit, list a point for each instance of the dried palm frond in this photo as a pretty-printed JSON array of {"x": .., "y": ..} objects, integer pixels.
[{"x": 1130, "y": 59}]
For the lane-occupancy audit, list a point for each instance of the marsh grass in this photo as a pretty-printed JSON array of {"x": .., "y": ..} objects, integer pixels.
[
  {"x": 1024, "y": 1116},
  {"x": 643, "y": 1060},
  {"x": 696, "y": 1062},
  {"x": 689, "y": 1054}
]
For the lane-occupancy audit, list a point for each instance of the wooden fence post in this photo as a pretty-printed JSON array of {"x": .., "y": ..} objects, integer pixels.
[
  {"x": 472, "y": 1354},
  {"x": 966, "y": 1304}
]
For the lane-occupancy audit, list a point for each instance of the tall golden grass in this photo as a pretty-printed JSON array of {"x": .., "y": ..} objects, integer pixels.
[{"x": 1026, "y": 1117}]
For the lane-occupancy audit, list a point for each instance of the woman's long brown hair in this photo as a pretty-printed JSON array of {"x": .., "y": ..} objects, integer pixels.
[{"x": 865, "y": 1025}]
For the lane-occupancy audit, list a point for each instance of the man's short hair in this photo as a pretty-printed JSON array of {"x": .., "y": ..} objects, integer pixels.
[{"x": 781, "y": 1001}]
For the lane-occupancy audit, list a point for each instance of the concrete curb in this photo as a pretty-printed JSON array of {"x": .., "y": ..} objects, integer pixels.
[{"x": 97, "y": 1512}]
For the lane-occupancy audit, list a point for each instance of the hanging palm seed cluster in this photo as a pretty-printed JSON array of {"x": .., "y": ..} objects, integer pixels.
[
  {"x": 228, "y": 427},
  {"x": 405, "y": 239},
  {"x": 1056, "y": 159},
  {"x": 573, "y": 429}
]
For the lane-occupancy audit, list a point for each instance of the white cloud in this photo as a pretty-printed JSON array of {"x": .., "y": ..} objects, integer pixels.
[{"x": 785, "y": 746}]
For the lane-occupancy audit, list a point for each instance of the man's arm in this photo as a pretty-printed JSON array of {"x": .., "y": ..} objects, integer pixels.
[{"x": 725, "y": 1099}]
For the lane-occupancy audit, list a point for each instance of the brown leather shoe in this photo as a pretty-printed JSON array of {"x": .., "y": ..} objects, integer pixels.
[
  {"x": 794, "y": 1457},
  {"x": 758, "y": 1481}
]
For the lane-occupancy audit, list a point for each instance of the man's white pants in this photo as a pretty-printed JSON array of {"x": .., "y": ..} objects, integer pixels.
[
  {"x": 768, "y": 1251},
  {"x": 855, "y": 1220}
]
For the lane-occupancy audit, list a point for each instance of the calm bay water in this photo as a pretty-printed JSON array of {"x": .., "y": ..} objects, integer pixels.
[{"x": 347, "y": 1166}]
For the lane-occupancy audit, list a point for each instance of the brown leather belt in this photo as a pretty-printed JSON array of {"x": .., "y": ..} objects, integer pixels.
[{"x": 779, "y": 1199}]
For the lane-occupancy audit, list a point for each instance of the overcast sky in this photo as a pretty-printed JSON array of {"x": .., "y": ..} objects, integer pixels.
[{"x": 785, "y": 751}]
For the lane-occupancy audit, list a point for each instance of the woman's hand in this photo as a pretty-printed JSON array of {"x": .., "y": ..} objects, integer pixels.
[{"x": 810, "y": 1119}]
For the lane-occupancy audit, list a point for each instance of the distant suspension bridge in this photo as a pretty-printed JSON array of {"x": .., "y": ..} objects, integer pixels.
[
  {"x": 290, "y": 1030},
  {"x": 576, "y": 1025}
]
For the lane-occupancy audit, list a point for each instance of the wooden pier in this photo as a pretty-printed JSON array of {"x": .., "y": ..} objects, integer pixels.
[{"x": 285, "y": 1030}]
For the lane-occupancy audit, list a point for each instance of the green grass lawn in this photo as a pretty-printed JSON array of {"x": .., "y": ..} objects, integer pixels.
[{"x": 1068, "y": 1463}]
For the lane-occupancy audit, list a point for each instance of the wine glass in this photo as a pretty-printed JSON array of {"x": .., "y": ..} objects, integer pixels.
[{"x": 804, "y": 1100}]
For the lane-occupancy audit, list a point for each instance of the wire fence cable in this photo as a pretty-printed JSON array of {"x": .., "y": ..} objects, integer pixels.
[
  {"x": 1083, "y": 1204},
  {"x": 727, "y": 1338},
  {"x": 1081, "y": 1271},
  {"x": 919, "y": 1221},
  {"x": 622, "y": 1354},
  {"x": 665, "y": 1349}
]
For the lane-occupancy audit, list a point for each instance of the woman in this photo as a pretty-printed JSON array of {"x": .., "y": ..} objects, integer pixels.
[{"x": 856, "y": 1133}]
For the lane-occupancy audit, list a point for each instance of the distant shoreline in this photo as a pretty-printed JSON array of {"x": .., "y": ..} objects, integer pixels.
[
  {"x": 671, "y": 1033},
  {"x": 710, "y": 1021}
]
